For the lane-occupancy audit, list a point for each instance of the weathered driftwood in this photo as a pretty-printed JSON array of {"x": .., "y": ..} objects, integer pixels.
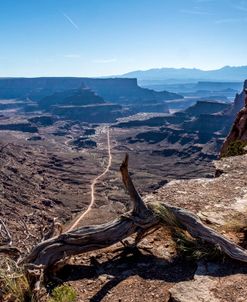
[{"x": 140, "y": 220}]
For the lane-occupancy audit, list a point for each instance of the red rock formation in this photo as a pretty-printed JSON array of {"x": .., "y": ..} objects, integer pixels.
[{"x": 239, "y": 128}]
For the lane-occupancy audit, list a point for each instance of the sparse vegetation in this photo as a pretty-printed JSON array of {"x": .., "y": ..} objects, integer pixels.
[
  {"x": 167, "y": 218},
  {"x": 235, "y": 148},
  {"x": 194, "y": 249},
  {"x": 14, "y": 285},
  {"x": 63, "y": 293},
  {"x": 185, "y": 244}
]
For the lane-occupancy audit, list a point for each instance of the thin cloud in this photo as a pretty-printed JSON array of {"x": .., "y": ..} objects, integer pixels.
[
  {"x": 230, "y": 20},
  {"x": 72, "y": 56},
  {"x": 194, "y": 12},
  {"x": 241, "y": 6},
  {"x": 105, "y": 61},
  {"x": 204, "y": 1},
  {"x": 71, "y": 21}
]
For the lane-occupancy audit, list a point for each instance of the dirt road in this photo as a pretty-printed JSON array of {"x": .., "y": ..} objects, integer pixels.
[{"x": 94, "y": 182}]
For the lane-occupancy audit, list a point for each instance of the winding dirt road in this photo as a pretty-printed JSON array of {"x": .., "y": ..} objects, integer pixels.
[{"x": 95, "y": 180}]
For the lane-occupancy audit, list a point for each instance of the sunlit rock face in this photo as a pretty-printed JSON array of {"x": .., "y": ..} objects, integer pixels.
[
  {"x": 237, "y": 136},
  {"x": 239, "y": 100}
]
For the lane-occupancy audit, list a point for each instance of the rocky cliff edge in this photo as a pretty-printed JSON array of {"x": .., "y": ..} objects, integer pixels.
[{"x": 220, "y": 202}]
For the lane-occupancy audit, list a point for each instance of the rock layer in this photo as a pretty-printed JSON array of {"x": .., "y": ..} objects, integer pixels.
[{"x": 238, "y": 131}]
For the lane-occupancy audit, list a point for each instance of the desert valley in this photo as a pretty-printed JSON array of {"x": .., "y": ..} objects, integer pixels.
[
  {"x": 62, "y": 142},
  {"x": 123, "y": 151}
]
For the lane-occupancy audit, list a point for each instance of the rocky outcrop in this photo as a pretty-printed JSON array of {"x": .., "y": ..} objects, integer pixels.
[
  {"x": 75, "y": 97},
  {"x": 238, "y": 101},
  {"x": 206, "y": 107},
  {"x": 128, "y": 91},
  {"x": 238, "y": 132},
  {"x": 82, "y": 105},
  {"x": 212, "y": 283},
  {"x": 222, "y": 204}
]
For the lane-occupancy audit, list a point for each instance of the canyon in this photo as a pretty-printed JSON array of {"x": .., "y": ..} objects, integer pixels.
[{"x": 52, "y": 139}]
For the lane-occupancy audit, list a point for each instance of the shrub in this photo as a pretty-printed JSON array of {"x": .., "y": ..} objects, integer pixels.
[
  {"x": 235, "y": 148},
  {"x": 185, "y": 245},
  {"x": 14, "y": 285},
  {"x": 63, "y": 293},
  {"x": 194, "y": 249}
]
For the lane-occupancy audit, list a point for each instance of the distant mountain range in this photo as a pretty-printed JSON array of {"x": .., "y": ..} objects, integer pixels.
[{"x": 173, "y": 75}]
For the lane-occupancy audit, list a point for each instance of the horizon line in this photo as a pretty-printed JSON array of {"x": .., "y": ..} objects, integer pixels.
[{"x": 121, "y": 74}]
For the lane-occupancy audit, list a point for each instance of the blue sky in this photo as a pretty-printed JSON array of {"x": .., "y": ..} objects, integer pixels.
[{"x": 107, "y": 37}]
